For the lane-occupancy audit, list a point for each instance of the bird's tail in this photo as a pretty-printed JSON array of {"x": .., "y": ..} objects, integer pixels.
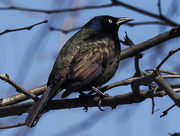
[{"x": 38, "y": 109}]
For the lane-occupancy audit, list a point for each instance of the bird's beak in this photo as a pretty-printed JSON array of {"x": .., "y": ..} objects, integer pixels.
[{"x": 123, "y": 20}]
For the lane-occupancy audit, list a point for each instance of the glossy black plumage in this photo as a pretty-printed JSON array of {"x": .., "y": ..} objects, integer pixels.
[{"x": 89, "y": 58}]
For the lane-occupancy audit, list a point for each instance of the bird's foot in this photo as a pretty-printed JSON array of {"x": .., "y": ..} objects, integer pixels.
[
  {"x": 83, "y": 97},
  {"x": 102, "y": 95}
]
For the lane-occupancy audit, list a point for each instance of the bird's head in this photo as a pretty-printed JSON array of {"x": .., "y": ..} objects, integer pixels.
[{"x": 106, "y": 23}]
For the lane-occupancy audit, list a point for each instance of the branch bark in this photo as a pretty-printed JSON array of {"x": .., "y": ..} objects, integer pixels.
[{"x": 90, "y": 101}]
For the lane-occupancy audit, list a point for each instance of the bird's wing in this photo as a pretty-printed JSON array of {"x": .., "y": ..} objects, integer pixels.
[{"x": 86, "y": 66}]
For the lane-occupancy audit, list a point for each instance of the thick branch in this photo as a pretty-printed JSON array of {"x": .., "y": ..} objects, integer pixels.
[
  {"x": 90, "y": 101},
  {"x": 166, "y": 87},
  {"x": 132, "y": 51}
]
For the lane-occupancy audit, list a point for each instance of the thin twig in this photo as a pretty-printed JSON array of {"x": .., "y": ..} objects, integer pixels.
[
  {"x": 153, "y": 105},
  {"x": 114, "y": 3},
  {"x": 169, "y": 72},
  {"x": 166, "y": 111},
  {"x": 55, "y": 11},
  {"x": 119, "y": 3},
  {"x": 64, "y": 31},
  {"x": 13, "y": 126},
  {"x": 6, "y": 78},
  {"x": 159, "y": 7},
  {"x": 147, "y": 23},
  {"x": 24, "y": 28},
  {"x": 167, "y": 57}
]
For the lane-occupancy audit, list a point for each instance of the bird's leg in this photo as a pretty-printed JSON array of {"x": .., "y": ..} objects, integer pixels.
[
  {"x": 102, "y": 95},
  {"x": 81, "y": 97},
  {"x": 99, "y": 92}
]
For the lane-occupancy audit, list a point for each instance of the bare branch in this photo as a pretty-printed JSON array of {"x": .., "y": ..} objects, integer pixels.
[
  {"x": 147, "y": 23},
  {"x": 64, "y": 31},
  {"x": 166, "y": 111},
  {"x": 159, "y": 7},
  {"x": 55, "y": 11},
  {"x": 13, "y": 126},
  {"x": 119, "y": 3},
  {"x": 133, "y": 50},
  {"x": 167, "y": 57},
  {"x": 90, "y": 101},
  {"x": 114, "y": 3},
  {"x": 6, "y": 78},
  {"x": 166, "y": 87},
  {"x": 24, "y": 28},
  {"x": 22, "y": 97},
  {"x": 169, "y": 72}
]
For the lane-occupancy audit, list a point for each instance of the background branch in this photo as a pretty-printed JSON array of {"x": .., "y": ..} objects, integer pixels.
[
  {"x": 24, "y": 28},
  {"x": 114, "y": 3},
  {"x": 18, "y": 87}
]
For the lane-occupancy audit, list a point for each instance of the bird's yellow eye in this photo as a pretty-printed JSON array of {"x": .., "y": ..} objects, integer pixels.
[{"x": 110, "y": 20}]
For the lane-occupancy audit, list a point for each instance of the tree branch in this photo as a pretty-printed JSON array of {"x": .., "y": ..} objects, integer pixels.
[
  {"x": 90, "y": 101},
  {"x": 55, "y": 11},
  {"x": 24, "y": 28},
  {"x": 132, "y": 51},
  {"x": 6, "y": 78},
  {"x": 119, "y": 3},
  {"x": 13, "y": 126},
  {"x": 22, "y": 97},
  {"x": 167, "y": 57},
  {"x": 114, "y": 3},
  {"x": 147, "y": 23}
]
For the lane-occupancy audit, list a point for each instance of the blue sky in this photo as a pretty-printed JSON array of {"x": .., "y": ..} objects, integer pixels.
[{"x": 28, "y": 57}]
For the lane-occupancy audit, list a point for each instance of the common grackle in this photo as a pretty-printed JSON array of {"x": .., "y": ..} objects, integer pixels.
[{"x": 89, "y": 58}]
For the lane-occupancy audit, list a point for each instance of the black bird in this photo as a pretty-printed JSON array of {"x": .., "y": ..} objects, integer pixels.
[{"x": 89, "y": 58}]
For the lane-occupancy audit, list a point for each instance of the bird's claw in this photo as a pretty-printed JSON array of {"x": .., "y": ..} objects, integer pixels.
[
  {"x": 99, "y": 105},
  {"x": 85, "y": 108}
]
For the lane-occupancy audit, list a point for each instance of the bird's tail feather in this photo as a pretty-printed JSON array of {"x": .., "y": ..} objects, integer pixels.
[{"x": 38, "y": 109}]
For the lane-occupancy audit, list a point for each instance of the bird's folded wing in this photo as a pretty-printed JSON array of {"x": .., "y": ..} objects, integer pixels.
[{"x": 88, "y": 66}]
